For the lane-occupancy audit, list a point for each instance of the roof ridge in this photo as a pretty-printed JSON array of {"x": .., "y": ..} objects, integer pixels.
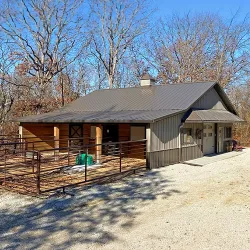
[
  {"x": 150, "y": 110},
  {"x": 156, "y": 85}
]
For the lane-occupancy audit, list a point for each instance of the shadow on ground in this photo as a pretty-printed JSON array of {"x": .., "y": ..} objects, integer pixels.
[{"x": 87, "y": 217}]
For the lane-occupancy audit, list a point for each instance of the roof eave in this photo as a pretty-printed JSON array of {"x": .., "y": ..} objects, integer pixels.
[
  {"x": 88, "y": 121},
  {"x": 213, "y": 121}
]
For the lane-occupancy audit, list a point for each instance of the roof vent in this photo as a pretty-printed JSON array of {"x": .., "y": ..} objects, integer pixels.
[{"x": 147, "y": 80}]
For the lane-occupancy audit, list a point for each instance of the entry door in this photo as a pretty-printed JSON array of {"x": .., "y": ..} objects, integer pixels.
[
  {"x": 208, "y": 139},
  {"x": 75, "y": 131},
  {"x": 220, "y": 139},
  {"x": 110, "y": 133}
]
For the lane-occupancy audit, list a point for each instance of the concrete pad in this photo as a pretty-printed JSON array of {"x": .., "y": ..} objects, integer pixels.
[{"x": 208, "y": 159}]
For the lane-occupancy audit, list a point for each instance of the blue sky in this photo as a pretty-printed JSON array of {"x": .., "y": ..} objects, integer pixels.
[{"x": 224, "y": 7}]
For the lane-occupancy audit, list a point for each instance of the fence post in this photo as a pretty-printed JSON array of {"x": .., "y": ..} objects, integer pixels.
[
  {"x": 33, "y": 155},
  {"x": 68, "y": 157},
  {"x": 15, "y": 146},
  {"x": 4, "y": 166},
  {"x": 38, "y": 184},
  {"x": 54, "y": 146},
  {"x": 25, "y": 152},
  {"x": 23, "y": 146},
  {"x": 86, "y": 157},
  {"x": 120, "y": 152}
]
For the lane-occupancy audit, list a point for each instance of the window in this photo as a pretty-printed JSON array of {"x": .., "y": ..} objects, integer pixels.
[
  {"x": 210, "y": 134},
  {"x": 204, "y": 134},
  {"x": 207, "y": 126},
  {"x": 187, "y": 136},
  {"x": 137, "y": 133},
  {"x": 92, "y": 132},
  {"x": 228, "y": 132},
  {"x": 198, "y": 133}
]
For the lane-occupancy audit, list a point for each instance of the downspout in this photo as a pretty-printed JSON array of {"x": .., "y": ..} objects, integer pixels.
[{"x": 180, "y": 153}]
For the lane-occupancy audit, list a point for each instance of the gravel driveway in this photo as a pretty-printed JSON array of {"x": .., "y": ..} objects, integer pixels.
[{"x": 176, "y": 207}]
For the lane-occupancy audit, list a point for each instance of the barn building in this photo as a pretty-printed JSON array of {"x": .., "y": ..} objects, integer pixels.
[{"x": 179, "y": 121}]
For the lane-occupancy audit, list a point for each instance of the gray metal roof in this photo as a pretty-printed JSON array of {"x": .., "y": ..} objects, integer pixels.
[
  {"x": 158, "y": 97},
  {"x": 137, "y": 104},
  {"x": 218, "y": 116}
]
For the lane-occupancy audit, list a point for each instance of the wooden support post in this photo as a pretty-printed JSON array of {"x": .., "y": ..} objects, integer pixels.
[
  {"x": 20, "y": 133},
  {"x": 56, "y": 138},
  {"x": 98, "y": 140}
]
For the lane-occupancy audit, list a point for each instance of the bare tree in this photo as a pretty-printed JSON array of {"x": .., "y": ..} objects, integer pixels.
[
  {"x": 132, "y": 66},
  {"x": 240, "y": 97},
  {"x": 96, "y": 71},
  {"x": 231, "y": 45},
  {"x": 200, "y": 47},
  {"x": 7, "y": 89},
  {"x": 75, "y": 79},
  {"x": 114, "y": 26},
  {"x": 47, "y": 34}
]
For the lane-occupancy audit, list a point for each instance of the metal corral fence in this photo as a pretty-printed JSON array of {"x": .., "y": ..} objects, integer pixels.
[{"x": 32, "y": 171}]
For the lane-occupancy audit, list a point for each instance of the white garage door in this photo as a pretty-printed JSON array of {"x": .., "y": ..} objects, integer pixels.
[{"x": 208, "y": 139}]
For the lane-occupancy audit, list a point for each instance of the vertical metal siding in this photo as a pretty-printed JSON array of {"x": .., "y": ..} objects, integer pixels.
[
  {"x": 210, "y": 100},
  {"x": 165, "y": 141},
  {"x": 191, "y": 152},
  {"x": 165, "y": 133},
  {"x": 164, "y": 158}
]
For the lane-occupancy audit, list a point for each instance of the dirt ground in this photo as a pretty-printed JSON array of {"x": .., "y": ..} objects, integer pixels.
[
  {"x": 21, "y": 176},
  {"x": 176, "y": 207}
]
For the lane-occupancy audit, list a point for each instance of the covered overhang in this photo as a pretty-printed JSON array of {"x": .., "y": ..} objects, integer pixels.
[
  {"x": 124, "y": 116},
  {"x": 212, "y": 116}
]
